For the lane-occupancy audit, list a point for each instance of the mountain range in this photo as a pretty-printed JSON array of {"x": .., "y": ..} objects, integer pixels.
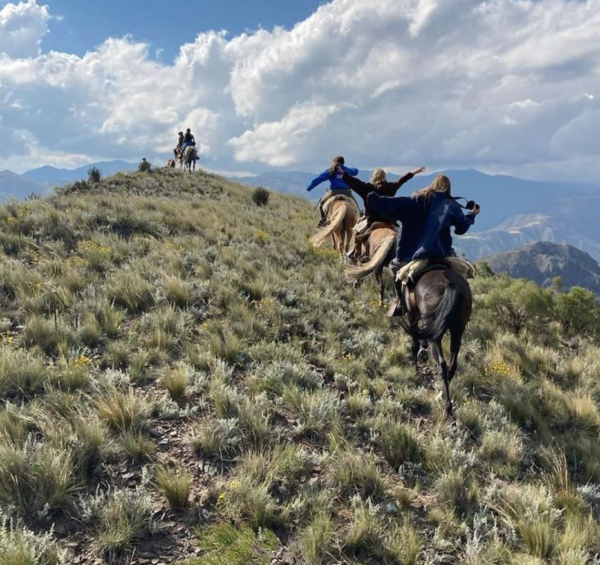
[
  {"x": 543, "y": 261},
  {"x": 51, "y": 176},
  {"x": 515, "y": 212}
]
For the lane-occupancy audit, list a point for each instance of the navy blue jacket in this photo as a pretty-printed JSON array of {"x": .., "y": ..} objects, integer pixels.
[
  {"x": 443, "y": 213},
  {"x": 412, "y": 212}
]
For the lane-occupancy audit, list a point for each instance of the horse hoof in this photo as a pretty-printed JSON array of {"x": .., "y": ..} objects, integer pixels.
[{"x": 422, "y": 356}]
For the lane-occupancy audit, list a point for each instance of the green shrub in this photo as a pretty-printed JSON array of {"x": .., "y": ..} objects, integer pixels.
[
  {"x": 94, "y": 174},
  {"x": 145, "y": 166},
  {"x": 579, "y": 312},
  {"x": 260, "y": 196}
]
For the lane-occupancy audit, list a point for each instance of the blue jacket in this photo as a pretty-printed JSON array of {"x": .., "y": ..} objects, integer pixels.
[
  {"x": 443, "y": 213},
  {"x": 412, "y": 212},
  {"x": 336, "y": 183}
]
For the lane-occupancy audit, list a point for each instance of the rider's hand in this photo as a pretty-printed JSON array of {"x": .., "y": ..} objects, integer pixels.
[
  {"x": 476, "y": 209},
  {"x": 420, "y": 170}
]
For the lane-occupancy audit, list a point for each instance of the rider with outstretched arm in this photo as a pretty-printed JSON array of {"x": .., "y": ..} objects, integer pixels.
[
  {"x": 381, "y": 186},
  {"x": 336, "y": 185}
]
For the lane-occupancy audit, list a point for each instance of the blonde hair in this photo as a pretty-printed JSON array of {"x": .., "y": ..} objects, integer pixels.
[
  {"x": 441, "y": 183},
  {"x": 378, "y": 176},
  {"x": 338, "y": 160}
]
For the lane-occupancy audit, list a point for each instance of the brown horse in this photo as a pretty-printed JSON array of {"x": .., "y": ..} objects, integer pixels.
[
  {"x": 380, "y": 248},
  {"x": 440, "y": 301},
  {"x": 342, "y": 216}
]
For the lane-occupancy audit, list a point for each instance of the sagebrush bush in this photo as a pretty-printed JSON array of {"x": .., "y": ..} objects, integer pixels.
[{"x": 21, "y": 546}]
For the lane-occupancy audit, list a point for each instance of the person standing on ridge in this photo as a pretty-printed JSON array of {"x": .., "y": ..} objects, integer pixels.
[
  {"x": 179, "y": 143},
  {"x": 336, "y": 185}
]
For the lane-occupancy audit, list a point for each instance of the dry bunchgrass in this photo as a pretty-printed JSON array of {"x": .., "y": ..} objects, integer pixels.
[
  {"x": 160, "y": 301},
  {"x": 175, "y": 485}
]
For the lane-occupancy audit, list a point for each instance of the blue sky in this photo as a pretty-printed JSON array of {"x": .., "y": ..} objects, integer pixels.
[
  {"x": 503, "y": 86},
  {"x": 85, "y": 24}
]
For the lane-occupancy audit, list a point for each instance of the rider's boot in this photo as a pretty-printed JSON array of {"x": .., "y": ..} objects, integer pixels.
[
  {"x": 323, "y": 221},
  {"x": 395, "y": 308}
]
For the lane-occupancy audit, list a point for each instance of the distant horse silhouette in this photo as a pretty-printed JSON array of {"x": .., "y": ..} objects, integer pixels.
[
  {"x": 188, "y": 158},
  {"x": 440, "y": 301},
  {"x": 342, "y": 215},
  {"x": 380, "y": 248}
]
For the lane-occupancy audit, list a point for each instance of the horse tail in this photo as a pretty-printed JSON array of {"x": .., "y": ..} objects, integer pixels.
[
  {"x": 336, "y": 221},
  {"x": 357, "y": 273},
  {"x": 431, "y": 327}
]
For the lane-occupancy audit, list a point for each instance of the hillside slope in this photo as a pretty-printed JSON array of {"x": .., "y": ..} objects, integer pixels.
[
  {"x": 183, "y": 379},
  {"x": 541, "y": 262}
]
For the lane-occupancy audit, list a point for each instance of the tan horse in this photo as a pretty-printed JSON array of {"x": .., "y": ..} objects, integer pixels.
[
  {"x": 342, "y": 215},
  {"x": 380, "y": 248}
]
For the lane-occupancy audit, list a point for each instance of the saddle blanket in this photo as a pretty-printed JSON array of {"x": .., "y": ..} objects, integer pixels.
[{"x": 411, "y": 270}]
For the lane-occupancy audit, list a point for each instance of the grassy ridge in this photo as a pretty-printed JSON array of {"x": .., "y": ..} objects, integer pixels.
[{"x": 175, "y": 356}]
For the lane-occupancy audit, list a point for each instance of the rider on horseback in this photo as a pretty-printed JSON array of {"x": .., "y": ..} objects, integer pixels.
[
  {"x": 381, "y": 186},
  {"x": 426, "y": 226},
  {"x": 336, "y": 185},
  {"x": 188, "y": 139}
]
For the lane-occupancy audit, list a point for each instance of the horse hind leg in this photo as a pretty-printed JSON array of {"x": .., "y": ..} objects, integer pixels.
[
  {"x": 438, "y": 355},
  {"x": 455, "y": 343},
  {"x": 415, "y": 352},
  {"x": 379, "y": 279}
]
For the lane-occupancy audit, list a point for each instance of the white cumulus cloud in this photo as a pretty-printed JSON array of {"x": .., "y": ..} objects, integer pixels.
[
  {"x": 22, "y": 27},
  {"x": 502, "y": 85}
]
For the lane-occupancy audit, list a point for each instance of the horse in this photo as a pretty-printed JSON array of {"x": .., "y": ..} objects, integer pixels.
[
  {"x": 439, "y": 301},
  {"x": 342, "y": 215},
  {"x": 188, "y": 156},
  {"x": 380, "y": 248}
]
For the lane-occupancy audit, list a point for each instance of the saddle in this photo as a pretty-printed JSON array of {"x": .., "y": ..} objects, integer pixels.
[{"x": 363, "y": 232}]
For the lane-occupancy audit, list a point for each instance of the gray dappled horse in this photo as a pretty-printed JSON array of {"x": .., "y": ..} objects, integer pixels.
[{"x": 188, "y": 158}]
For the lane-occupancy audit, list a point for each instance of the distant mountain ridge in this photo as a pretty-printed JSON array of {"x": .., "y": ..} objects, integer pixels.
[
  {"x": 52, "y": 176},
  {"x": 543, "y": 261},
  {"x": 18, "y": 187},
  {"x": 515, "y": 211}
]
